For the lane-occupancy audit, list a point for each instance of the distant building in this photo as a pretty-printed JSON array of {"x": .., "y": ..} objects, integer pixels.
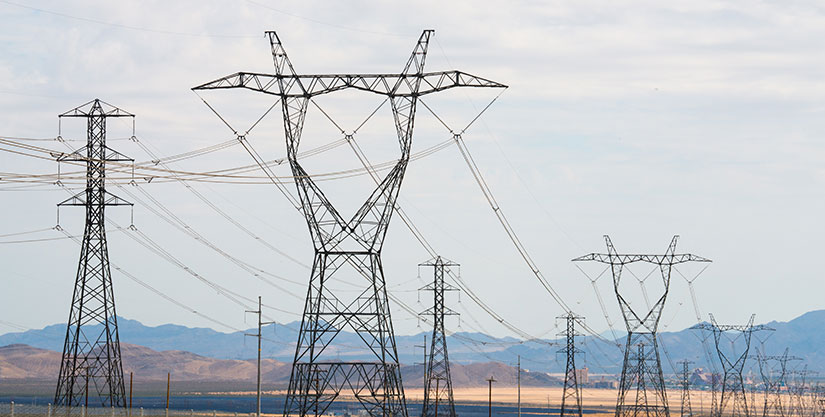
[
  {"x": 582, "y": 376},
  {"x": 606, "y": 384}
]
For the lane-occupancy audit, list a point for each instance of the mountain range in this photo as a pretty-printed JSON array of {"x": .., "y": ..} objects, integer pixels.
[
  {"x": 22, "y": 365},
  {"x": 803, "y": 336}
]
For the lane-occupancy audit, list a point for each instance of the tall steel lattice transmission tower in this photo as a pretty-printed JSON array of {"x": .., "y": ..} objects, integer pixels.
[
  {"x": 347, "y": 246},
  {"x": 438, "y": 388},
  {"x": 733, "y": 384},
  {"x": 571, "y": 399},
  {"x": 642, "y": 387},
  {"x": 684, "y": 381},
  {"x": 91, "y": 367}
]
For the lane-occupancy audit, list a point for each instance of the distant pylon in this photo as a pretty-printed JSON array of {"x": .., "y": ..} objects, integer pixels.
[
  {"x": 798, "y": 390},
  {"x": 773, "y": 380},
  {"x": 687, "y": 410},
  {"x": 91, "y": 367},
  {"x": 733, "y": 384},
  {"x": 642, "y": 386},
  {"x": 438, "y": 386},
  {"x": 571, "y": 399}
]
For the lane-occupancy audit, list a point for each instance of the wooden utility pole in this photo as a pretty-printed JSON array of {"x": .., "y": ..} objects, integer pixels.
[
  {"x": 168, "y": 380},
  {"x": 424, "y": 346},
  {"x": 490, "y": 381},
  {"x": 87, "y": 388},
  {"x": 131, "y": 379},
  {"x": 518, "y": 379},
  {"x": 259, "y": 335},
  {"x": 436, "y": 397}
]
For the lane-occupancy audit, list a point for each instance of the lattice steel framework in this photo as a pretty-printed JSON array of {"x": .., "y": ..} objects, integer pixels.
[
  {"x": 773, "y": 379},
  {"x": 642, "y": 387},
  {"x": 733, "y": 384},
  {"x": 347, "y": 246},
  {"x": 91, "y": 366},
  {"x": 438, "y": 388},
  {"x": 798, "y": 388},
  {"x": 571, "y": 399},
  {"x": 684, "y": 381}
]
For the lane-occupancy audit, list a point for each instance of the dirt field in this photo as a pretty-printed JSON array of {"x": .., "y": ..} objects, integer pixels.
[{"x": 601, "y": 401}]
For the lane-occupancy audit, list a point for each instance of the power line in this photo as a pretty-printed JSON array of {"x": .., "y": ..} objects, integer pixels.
[{"x": 122, "y": 26}]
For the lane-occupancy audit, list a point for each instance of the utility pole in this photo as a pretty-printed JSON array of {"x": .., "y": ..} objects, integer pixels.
[
  {"x": 687, "y": 410},
  {"x": 92, "y": 342},
  {"x": 168, "y": 385},
  {"x": 438, "y": 363},
  {"x": 131, "y": 380},
  {"x": 641, "y": 395},
  {"x": 259, "y": 335},
  {"x": 518, "y": 382},
  {"x": 343, "y": 245},
  {"x": 490, "y": 381},
  {"x": 571, "y": 399},
  {"x": 424, "y": 362}
]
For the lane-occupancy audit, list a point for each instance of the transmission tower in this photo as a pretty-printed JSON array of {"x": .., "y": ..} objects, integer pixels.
[
  {"x": 571, "y": 399},
  {"x": 797, "y": 390},
  {"x": 347, "y": 247},
  {"x": 91, "y": 366},
  {"x": 438, "y": 387},
  {"x": 687, "y": 410},
  {"x": 733, "y": 385},
  {"x": 774, "y": 379},
  {"x": 642, "y": 377}
]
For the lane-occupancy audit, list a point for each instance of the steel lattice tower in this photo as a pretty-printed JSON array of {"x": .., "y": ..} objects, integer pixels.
[
  {"x": 773, "y": 379},
  {"x": 733, "y": 384},
  {"x": 797, "y": 392},
  {"x": 438, "y": 388},
  {"x": 687, "y": 410},
  {"x": 91, "y": 364},
  {"x": 347, "y": 247},
  {"x": 571, "y": 399},
  {"x": 642, "y": 377}
]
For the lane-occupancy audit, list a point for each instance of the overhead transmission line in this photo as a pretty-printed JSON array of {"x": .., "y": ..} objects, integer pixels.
[
  {"x": 155, "y": 290},
  {"x": 150, "y": 172},
  {"x": 123, "y": 26},
  {"x": 368, "y": 169},
  {"x": 505, "y": 223},
  {"x": 417, "y": 233},
  {"x": 411, "y": 226}
]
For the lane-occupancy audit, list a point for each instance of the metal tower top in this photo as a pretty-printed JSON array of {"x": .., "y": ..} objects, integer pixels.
[{"x": 412, "y": 82}]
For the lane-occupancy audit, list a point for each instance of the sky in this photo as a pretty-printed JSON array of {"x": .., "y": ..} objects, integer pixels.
[{"x": 640, "y": 120}]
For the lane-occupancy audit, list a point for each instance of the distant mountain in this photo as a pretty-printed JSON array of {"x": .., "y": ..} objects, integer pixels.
[
  {"x": 27, "y": 362},
  {"x": 803, "y": 335},
  {"x": 23, "y": 362}
]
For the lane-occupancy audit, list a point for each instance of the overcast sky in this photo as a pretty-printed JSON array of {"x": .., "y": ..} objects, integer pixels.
[{"x": 641, "y": 121}]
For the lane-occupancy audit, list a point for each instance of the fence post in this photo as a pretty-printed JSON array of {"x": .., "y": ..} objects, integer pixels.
[
  {"x": 191, "y": 413},
  {"x": 83, "y": 410},
  {"x": 141, "y": 411},
  {"x": 113, "y": 411},
  {"x": 12, "y": 409},
  {"x": 50, "y": 410}
]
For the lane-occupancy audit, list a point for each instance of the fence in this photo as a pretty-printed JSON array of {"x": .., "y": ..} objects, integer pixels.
[{"x": 26, "y": 410}]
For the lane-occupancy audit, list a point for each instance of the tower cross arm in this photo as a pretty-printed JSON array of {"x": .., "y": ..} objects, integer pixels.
[
  {"x": 96, "y": 107},
  {"x": 619, "y": 259},
  {"x": 731, "y": 327},
  {"x": 395, "y": 85}
]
